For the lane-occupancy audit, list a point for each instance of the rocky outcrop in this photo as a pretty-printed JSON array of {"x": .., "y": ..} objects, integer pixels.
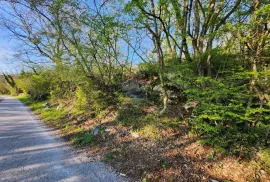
[{"x": 133, "y": 89}]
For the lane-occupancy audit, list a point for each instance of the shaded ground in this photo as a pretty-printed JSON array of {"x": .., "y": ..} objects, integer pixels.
[{"x": 29, "y": 151}]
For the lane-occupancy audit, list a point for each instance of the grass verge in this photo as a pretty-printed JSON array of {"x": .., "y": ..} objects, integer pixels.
[{"x": 59, "y": 118}]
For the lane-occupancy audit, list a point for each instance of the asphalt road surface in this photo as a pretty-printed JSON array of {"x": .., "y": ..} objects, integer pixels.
[{"x": 29, "y": 151}]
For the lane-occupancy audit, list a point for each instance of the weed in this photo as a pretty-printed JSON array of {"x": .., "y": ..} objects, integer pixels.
[
  {"x": 150, "y": 131},
  {"x": 102, "y": 131},
  {"x": 144, "y": 180},
  {"x": 109, "y": 156},
  {"x": 211, "y": 156},
  {"x": 83, "y": 139},
  {"x": 264, "y": 159},
  {"x": 163, "y": 164},
  {"x": 124, "y": 149}
]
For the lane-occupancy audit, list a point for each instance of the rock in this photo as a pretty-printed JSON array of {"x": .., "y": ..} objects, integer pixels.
[
  {"x": 262, "y": 172},
  {"x": 92, "y": 115},
  {"x": 131, "y": 84},
  {"x": 79, "y": 120},
  {"x": 171, "y": 77},
  {"x": 95, "y": 131},
  {"x": 173, "y": 97},
  {"x": 213, "y": 180},
  {"x": 132, "y": 88},
  {"x": 134, "y": 93},
  {"x": 157, "y": 88},
  {"x": 76, "y": 122},
  {"x": 174, "y": 94},
  {"x": 46, "y": 105},
  {"x": 108, "y": 129},
  {"x": 134, "y": 134},
  {"x": 59, "y": 107},
  {"x": 191, "y": 104},
  {"x": 42, "y": 96}
]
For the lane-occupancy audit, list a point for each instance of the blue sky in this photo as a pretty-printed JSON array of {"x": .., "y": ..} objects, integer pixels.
[
  {"x": 6, "y": 52},
  {"x": 7, "y": 49}
]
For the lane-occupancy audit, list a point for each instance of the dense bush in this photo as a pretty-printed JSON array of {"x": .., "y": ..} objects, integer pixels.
[{"x": 230, "y": 116}]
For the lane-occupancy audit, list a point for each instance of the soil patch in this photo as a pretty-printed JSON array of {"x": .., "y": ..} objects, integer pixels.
[{"x": 173, "y": 157}]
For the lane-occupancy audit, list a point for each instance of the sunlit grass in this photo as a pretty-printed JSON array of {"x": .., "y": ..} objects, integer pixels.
[{"x": 57, "y": 118}]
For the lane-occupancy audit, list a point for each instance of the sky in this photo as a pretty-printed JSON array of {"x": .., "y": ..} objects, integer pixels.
[{"x": 5, "y": 51}]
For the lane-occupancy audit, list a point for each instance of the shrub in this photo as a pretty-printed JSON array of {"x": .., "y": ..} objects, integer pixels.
[
  {"x": 81, "y": 99},
  {"x": 25, "y": 84},
  {"x": 83, "y": 139},
  {"x": 148, "y": 69},
  {"x": 225, "y": 115},
  {"x": 40, "y": 87}
]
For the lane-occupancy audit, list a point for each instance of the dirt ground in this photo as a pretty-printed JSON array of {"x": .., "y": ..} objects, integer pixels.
[{"x": 174, "y": 156}]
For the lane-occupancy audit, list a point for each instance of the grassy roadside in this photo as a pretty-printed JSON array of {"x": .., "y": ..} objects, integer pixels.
[
  {"x": 149, "y": 149},
  {"x": 59, "y": 118}
]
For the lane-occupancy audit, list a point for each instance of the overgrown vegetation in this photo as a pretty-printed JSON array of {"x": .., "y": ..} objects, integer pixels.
[{"x": 203, "y": 65}]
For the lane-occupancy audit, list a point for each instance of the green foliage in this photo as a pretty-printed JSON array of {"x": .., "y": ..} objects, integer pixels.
[
  {"x": 149, "y": 130},
  {"x": 40, "y": 86},
  {"x": 90, "y": 98},
  {"x": 12, "y": 91},
  {"x": 144, "y": 180},
  {"x": 148, "y": 69},
  {"x": 225, "y": 115},
  {"x": 63, "y": 82},
  {"x": 83, "y": 139},
  {"x": 81, "y": 99},
  {"x": 25, "y": 84},
  {"x": 99, "y": 100},
  {"x": 230, "y": 116}
]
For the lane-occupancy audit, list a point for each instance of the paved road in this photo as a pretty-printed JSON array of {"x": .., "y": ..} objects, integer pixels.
[{"x": 29, "y": 151}]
